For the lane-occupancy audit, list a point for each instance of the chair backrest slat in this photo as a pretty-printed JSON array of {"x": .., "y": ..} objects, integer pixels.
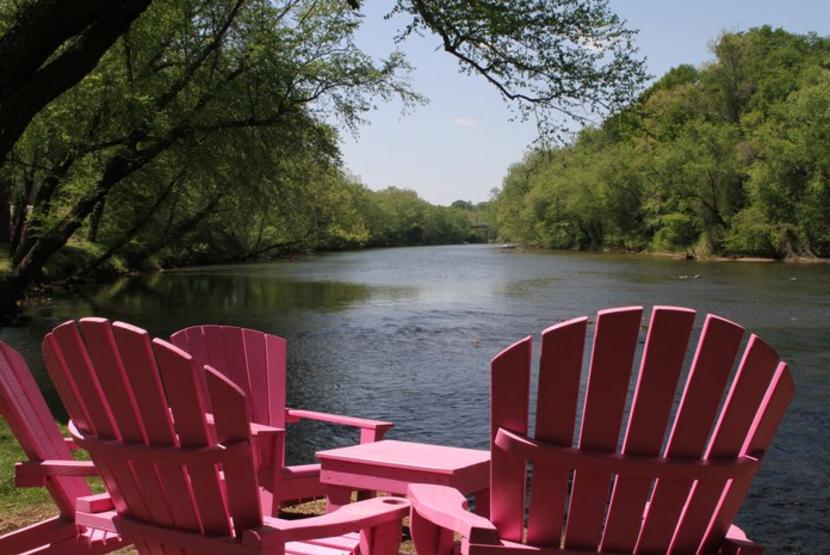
[
  {"x": 109, "y": 367},
  {"x": 32, "y": 423},
  {"x": 510, "y": 393},
  {"x": 233, "y": 424},
  {"x": 665, "y": 349},
  {"x": 181, "y": 383},
  {"x": 711, "y": 366},
  {"x": 560, "y": 368},
  {"x": 615, "y": 342},
  {"x": 71, "y": 371},
  {"x": 778, "y": 397},
  {"x": 192, "y": 341},
  {"x": 742, "y": 406},
  {"x": 145, "y": 381},
  {"x": 275, "y": 368},
  {"x": 236, "y": 363},
  {"x": 253, "y": 360}
]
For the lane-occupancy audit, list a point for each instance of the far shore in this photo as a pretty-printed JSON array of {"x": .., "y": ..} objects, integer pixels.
[
  {"x": 708, "y": 258},
  {"x": 687, "y": 257}
]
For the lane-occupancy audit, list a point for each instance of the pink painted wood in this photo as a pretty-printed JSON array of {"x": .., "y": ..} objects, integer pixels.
[
  {"x": 184, "y": 481},
  {"x": 560, "y": 364},
  {"x": 638, "y": 497},
  {"x": 256, "y": 362},
  {"x": 510, "y": 383},
  {"x": 50, "y": 464},
  {"x": 613, "y": 353},
  {"x": 390, "y": 466}
]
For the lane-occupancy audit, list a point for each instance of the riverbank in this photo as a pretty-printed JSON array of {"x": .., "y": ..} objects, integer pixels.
[
  {"x": 712, "y": 258},
  {"x": 672, "y": 255}
]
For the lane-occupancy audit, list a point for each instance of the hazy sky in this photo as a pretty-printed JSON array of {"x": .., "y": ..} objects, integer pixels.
[{"x": 460, "y": 145}]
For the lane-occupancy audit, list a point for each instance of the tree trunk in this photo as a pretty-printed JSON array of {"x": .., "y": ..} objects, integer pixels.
[
  {"x": 262, "y": 250},
  {"x": 179, "y": 230},
  {"x": 139, "y": 224},
  {"x": 21, "y": 216},
  {"x": 48, "y": 48},
  {"x": 95, "y": 220},
  {"x": 38, "y": 251}
]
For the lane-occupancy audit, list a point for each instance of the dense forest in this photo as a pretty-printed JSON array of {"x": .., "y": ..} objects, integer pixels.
[{"x": 728, "y": 159}]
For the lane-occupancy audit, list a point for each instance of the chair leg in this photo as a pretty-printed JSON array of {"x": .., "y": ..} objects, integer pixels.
[
  {"x": 383, "y": 539},
  {"x": 337, "y": 496}
]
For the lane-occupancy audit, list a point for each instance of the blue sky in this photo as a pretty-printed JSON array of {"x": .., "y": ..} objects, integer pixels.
[{"x": 460, "y": 145}]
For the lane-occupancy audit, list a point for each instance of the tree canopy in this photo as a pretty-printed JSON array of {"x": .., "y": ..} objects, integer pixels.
[{"x": 727, "y": 159}]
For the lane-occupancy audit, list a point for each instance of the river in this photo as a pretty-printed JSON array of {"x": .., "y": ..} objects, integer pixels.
[{"x": 406, "y": 335}]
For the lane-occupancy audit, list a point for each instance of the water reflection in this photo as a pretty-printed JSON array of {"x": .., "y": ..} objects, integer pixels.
[{"x": 234, "y": 292}]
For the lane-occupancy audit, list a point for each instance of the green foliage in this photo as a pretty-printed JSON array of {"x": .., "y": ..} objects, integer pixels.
[
  {"x": 548, "y": 57},
  {"x": 202, "y": 136},
  {"x": 396, "y": 216},
  {"x": 77, "y": 254},
  {"x": 729, "y": 159},
  {"x": 676, "y": 231}
]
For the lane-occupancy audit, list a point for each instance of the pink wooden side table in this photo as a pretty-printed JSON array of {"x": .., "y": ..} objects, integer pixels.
[{"x": 390, "y": 466}]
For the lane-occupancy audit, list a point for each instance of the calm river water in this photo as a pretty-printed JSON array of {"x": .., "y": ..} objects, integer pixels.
[{"x": 406, "y": 335}]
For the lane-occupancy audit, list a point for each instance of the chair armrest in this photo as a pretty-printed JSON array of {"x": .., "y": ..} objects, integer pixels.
[
  {"x": 370, "y": 430},
  {"x": 270, "y": 444},
  {"x": 256, "y": 429},
  {"x": 35, "y": 473},
  {"x": 446, "y": 507},
  {"x": 349, "y": 518},
  {"x": 736, "y": 543},
  {"x": 70, "y": 442},
  {"x": 96, "y": 503},
  {"x": 269, "y": 441}
]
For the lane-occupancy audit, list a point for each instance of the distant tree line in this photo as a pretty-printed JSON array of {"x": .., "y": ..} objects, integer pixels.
[{"x": 731, "y": 158}]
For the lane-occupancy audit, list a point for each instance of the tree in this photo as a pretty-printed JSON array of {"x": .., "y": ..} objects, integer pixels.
[
  {"x": 223, "y": 77},
  {"x": 547, "y": 57},
  {"x": 226, "y": 75}
]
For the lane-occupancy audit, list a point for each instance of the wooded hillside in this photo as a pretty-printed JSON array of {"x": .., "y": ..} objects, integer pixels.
[{"x": 731, "y": 158}]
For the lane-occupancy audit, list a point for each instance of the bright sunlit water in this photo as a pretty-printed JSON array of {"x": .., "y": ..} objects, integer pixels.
[{"x": 406, "y": 335}]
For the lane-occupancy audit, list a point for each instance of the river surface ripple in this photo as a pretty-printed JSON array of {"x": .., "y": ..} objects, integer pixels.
[{"x": 407, "y": 334}]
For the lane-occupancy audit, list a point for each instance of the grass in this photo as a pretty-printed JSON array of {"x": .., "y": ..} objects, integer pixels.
[
  {"x": 18, "y": 506},
  {"x": 5, "y": 262},
  {"x": 22, "y": 506}
]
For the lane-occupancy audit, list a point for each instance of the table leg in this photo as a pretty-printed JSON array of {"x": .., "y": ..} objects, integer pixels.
[
  {"x": 337, "y": 496},
  {"x": 366, "y": 494},
  {"x": 483, "y": 503}
]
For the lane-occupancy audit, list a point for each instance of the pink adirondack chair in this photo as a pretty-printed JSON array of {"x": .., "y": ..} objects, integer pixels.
[
  {"x": 595, "y": 496},
  {"x": 256, "y": 361},
  {"x": 51, "y": 465},
  {"x": 183, "y": 483}
]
